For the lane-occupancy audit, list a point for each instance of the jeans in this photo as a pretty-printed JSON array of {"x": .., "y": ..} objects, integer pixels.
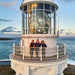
[
  {"x": 43, "y": 52},
  {"x": 31, "y": 52},
  {"x": 37, "y": 50}
]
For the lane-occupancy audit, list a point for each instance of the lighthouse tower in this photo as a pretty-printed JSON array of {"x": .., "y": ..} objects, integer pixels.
[{"x": 39, "y": 23}]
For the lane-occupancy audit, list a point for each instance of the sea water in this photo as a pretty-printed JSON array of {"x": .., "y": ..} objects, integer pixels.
[
  {"x": 6, "y": 48},
  {"x": 70, "y": 47}
]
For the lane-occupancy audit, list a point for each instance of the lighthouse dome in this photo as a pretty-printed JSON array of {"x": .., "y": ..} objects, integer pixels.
[{"x": 38, "y": 0}]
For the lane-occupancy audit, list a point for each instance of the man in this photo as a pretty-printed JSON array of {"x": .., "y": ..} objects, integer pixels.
[
  {"x": 37, "y": 46},
  {"x": 32, "y": 45},
  {"x": 43, "y": 48}
]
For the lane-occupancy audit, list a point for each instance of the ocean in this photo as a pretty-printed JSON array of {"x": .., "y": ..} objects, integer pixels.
[
  {"x": 6, "y": 48},
  {"x": 70, "y": 47}
]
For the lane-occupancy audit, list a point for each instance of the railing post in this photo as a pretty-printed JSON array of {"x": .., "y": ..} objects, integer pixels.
[
  {"x": 64, "y": 49},
  {"x": 23, "y": 52},
  {"x": 13, "y": 49},
  {"x": 50, "y": 30},
  {"x": 57, "y": 52},
  {"x": 41, "y": 53}
]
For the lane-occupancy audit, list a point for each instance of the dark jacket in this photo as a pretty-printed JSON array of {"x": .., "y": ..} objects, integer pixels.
[
  {"x": 37, "y": 44},
  {"x": 44, "y": 45},
  {"x": 32, "y": 44}
]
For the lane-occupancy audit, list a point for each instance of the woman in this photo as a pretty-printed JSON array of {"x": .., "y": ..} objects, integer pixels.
[
  {"x": 43, "y": 48},
  {"x": 32, "y": 45}
]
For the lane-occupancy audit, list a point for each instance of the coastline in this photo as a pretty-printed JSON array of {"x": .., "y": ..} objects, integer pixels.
[
  {"x": 5, "y": 62},
  {"x": 6, "y": 70},
  {"x": 70, "y": 70},
  {"x": 1, "y": 39}
]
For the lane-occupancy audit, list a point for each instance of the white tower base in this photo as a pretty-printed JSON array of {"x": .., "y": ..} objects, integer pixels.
[{"x": 29, "y": 67}]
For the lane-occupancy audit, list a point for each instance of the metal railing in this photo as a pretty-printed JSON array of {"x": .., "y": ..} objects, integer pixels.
[{"x": 40, "y": 53}]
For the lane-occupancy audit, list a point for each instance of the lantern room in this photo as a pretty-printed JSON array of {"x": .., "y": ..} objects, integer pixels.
[{"x": 39, "y": 17}]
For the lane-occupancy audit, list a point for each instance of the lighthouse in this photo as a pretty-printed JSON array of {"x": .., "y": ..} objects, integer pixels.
[{"x": 38, "y": 53}]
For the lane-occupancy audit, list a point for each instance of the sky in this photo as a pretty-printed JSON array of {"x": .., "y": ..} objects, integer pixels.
[
  {"x": 11, "y": 17},
  {"x": 66, "y": 17}
]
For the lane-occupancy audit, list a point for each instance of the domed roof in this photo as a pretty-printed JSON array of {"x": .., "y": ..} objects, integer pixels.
[
  {"x": 38, "y": 0},
  {"x": 32, "y": 1}
]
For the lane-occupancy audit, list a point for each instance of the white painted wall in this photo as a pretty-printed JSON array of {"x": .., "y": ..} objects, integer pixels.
[
  {"x": 44, "y": 68},
  {"x": 50, "y": 42}
]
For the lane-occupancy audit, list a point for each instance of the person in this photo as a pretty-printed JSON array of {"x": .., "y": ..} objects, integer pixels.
[
  {"x": 32, "y": 45},
  {"x": 37, "y": 46},
  {"x": 43, "y": 48}
]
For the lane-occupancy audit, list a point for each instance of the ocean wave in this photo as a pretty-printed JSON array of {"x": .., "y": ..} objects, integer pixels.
[
  {"x": 67, "y": 38},
  {"x": 71, "y": 62},
  {"x": 5, "y": 60}
]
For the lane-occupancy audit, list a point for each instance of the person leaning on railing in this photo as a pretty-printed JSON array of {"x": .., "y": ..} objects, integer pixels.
[
  {"x": 43, "y": 48},
  {"x": 37, "y": 47},
  {"x": 32, "y": 46}
]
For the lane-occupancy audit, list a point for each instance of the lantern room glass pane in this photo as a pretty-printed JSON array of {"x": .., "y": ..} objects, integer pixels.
[
  {"x": 53, "y": 8},
  {"x": 31, "y": 6},
  {"x": 25, "y": 22},
  {"x": 47, "y": 6},
  {"x": 25, "y": 8},
  {"x": 39, "y": 22},
  {"x": 47, "y": 21},
  {"x": 39, "y": 6},
  {"x": 31, "y": 21}
]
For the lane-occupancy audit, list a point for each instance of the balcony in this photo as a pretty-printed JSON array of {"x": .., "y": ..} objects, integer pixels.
[{"x": 48, "y": 54}]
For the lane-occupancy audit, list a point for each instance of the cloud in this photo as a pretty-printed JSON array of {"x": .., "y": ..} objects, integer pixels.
[
  {"x": 9, "y": 5},
  {"x": 14, "y": 9},
  {"x": 61, "y": 31},
  {"x": 4, "y": 4},
  {"x": 10, "y": 30},
  {"x": 68, "y": 33},
  {"x": 4, "y": 20}
]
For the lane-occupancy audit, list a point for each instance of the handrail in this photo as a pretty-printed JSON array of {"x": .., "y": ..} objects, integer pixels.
[{"x": 49, "y": 53}]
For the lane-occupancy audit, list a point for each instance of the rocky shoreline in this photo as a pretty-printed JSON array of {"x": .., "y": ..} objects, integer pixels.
[
  {"x": 70, "y": 70},
  {"x": 6, "y": 70}
]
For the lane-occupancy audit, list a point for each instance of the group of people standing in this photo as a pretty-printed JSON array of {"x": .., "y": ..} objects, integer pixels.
[{"x": 36, "y": 46}]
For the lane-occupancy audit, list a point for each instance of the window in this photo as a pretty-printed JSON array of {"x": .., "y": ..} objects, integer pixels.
[
  {"x": 53, "y": 8},
  {"x": 31, "y": 6},
  {"x": 39, "y": 6},
  {"x": 25, "y": 8},
  {"x": 47, "y": 6}
]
